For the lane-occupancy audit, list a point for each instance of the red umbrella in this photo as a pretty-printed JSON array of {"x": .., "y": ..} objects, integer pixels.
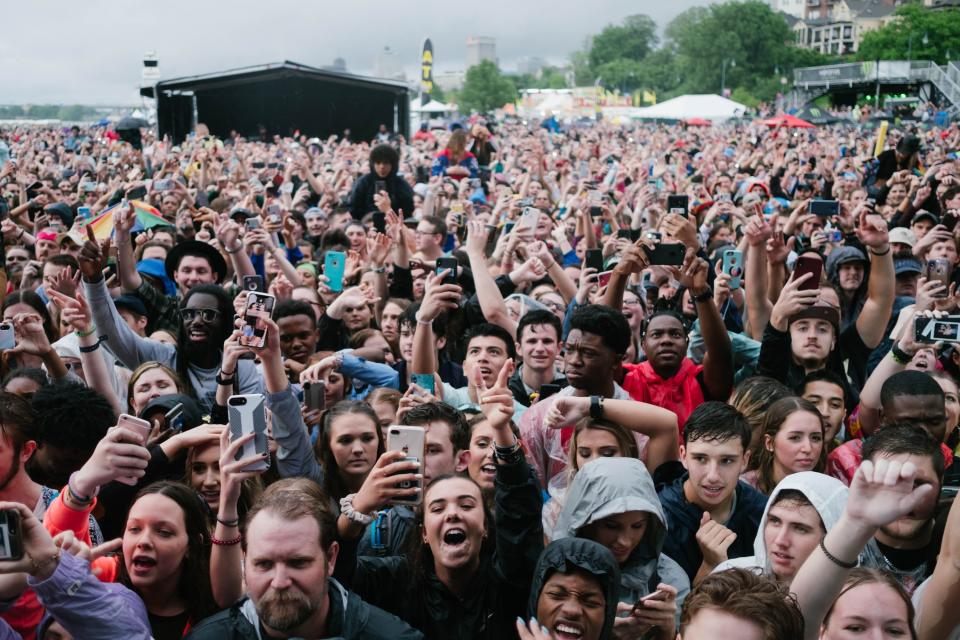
[
  {"x": 698, "y": 122},
  {"x": 789, "y": 121}
]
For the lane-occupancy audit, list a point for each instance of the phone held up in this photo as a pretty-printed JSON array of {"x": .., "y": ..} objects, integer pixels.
[
  {"x": 246, "y": 414},
  {"x": 259, "y": 307},
  {"x": 409, "y": 440},
  {"x": 11, "y": 535}
]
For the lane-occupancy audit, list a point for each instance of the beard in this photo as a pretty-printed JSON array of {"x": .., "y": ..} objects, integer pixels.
[
  {"x": 286, "y": 610},
  {"x": 906, "y": 529},
  {"x": 13, "y": 470}
]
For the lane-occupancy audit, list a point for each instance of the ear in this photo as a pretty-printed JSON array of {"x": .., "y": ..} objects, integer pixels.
[
  {"x": 332, "y": 552},
  {"x": 767, "y": 443},
  {"x": 683, "y": 456},
  {"x": 462, "y": 460},
  {"x": 441, "y": 343},
  {"x": 26, "y": 451}
]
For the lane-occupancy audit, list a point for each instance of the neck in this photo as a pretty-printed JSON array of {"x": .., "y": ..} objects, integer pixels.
[
  {"x": 456, "y": 580},
  {"x": 534, "y": 378},
  {"x": 919, "y": 541},
  {"x": 605, "y": 389},
  {"x": 666, "y": 372},
  {"x": 718, "y": 513},
  {"x": 21, "y": 489},
  {"x": 203, "y": 356},
  {"x": 354, "y": 481},
  {"x": 432, "y": 253},
  {"x": 314, "y": 627},
  {"x": 162, "y": 599}
]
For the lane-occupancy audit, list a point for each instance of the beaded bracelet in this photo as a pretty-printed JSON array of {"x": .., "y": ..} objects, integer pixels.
[
  {"x": 226, "y": 543},
  {"x": 835, "y": 560}
]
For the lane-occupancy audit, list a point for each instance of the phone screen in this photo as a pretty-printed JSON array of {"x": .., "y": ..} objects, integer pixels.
[{"x": 254, "y": 330}]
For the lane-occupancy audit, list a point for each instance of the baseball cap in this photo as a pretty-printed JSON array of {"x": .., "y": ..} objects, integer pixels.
[
  {"x": 819, "y": 311},
  {"x": 902, "y": 235},
  {"x": 130, "y": 303},
  {"x": 903, "y": 266},
  {"x": 923, "y": 214}
]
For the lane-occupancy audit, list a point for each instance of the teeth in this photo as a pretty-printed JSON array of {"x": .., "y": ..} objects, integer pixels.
[
  {"x": 489, "y": 468},
  {"x": 563, "y": 628}
]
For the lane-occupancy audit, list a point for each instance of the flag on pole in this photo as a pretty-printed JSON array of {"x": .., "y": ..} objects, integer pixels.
[{"x": 147, "y": 217}]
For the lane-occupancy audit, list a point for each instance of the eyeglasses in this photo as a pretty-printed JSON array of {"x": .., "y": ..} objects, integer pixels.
[{"x": 208, "y": 315}]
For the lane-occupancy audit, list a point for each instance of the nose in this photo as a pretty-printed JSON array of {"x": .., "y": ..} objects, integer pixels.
[
  {"x": 805, "y": 445},
  {"x": 145, "y": 541},
  {"x": 571, "y": 609},
  {"x": 281, "y": 578},
  {"x": 211, "y": 478},
  {"x": 783, "y": 538}
]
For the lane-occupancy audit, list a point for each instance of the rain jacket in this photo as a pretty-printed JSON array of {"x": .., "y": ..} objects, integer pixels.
[
  {"x": 489, "y": 606},
  {"x": 349, "y": 618},
  {"x": 611, "y": 486},
  {"x": 683, "y": 522},
  {"x": 578, "y": 553},
  {"x": 827, "y": 495}
]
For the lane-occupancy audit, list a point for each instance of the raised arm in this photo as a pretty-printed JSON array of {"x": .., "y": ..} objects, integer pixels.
[
  {"x": 123, "y": 221},
  {"x": 718, "y": 360},
  {"x": 757, "y": 233},
  {"x": 938, "y": 613},
  {"x": 881, "y": 288},
  {"x": 492, "y": 304},
  {"x": 437, "y": 298}
]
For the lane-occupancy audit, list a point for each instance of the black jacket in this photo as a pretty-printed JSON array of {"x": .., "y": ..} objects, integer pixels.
[
  {"x": 565, "y": 554},
  {"x": 491, "y": 604},
  {"x": 361, "y": 198},
  {"x": 349, "y": 618}
]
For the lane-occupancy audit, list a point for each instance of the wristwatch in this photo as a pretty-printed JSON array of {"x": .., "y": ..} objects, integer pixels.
[
  {"x": 596, "y": 407},
  {"x": 346, "y": 508}
]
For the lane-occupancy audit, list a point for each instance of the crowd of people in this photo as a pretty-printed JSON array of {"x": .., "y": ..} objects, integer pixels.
[{"x": 670, "y": 382}]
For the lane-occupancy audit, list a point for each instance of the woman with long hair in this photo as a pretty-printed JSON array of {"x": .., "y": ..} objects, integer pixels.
[
  {"x": 791, "y": 441},
  {"x": 349, "y": 445},
  {"x": 753, "y": 397},
  {"x": 151, "y": 380},
  {"x": 455, "y": 161}
]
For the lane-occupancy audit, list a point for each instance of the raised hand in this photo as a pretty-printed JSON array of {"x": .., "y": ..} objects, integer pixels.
[
  {"x": 31, "y": 338},
  {"x": 93, "y": 257},
  {"x": 714, "y": 540},
  {"x": 792, "y": 300},
  {"x": 882, "y": 490},
  {"x": 382, "y": 484},
  {"x": 566, "y": 410},
  {"x": 118, "y": 456},
  {"x": 496, "y": 402},
  {"x": 66, "y": 281}
]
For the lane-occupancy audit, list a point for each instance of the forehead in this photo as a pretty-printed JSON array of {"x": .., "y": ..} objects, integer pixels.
[
  {"x": 540, "y": 331},
  {"x": 824, "y": 389},
  {"x": 156, "y": 507},
  {"x": 482, "y": 430},
  {"x": 193, "y": 262},
  {"x": 202, "y": 301},
  {"x": 596, "y": 438},
  {"x": 486, "y": 342},
  {"x": 294, "y": 323},
  {"x": 270, "y": 536},
  {"x": 793, "y": 511},
  {"x": 728, "y": 447},
  {"x": 584, "y": 339},
  {"x": 802, "y": 420},
  {"x": 664, "y": 322},
  {"x": 452, "y": 489}
]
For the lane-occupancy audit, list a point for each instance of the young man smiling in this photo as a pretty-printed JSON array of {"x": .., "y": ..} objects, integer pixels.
[{"x": 711, "y": 515}]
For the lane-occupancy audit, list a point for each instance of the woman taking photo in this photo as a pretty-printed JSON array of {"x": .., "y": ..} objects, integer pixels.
[
  {"x": 166, "y": 542},
  {"x": 791, "y": 441},
  {"x": 613, "y": 502}
]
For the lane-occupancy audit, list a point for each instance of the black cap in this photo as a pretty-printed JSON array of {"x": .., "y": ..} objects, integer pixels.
[
  {"x": 192, "y": 416},
  {"x": 195, "y": 248},
  {"x": 130, "y": 303},
  {"x": 908, "y": 145}
]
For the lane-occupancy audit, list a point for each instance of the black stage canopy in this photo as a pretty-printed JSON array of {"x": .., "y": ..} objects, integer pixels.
[{"x": 280, "y": 99}]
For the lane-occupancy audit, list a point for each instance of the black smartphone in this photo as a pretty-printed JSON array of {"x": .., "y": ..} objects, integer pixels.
[
  {"x": 824, "y": 208},
  {"x": 137, "y": 193},
  {"x": 11, "y": 535},
  {"x": 314, "y": 395},
  {"x": 379, "y": 185},
  {"x": 624, "y": 234},
  {"x": 452, "y": 265},
  {"x": 666, "y": 253},
  {"x": 253, "y": 283},
  {"x": 950, "y": 219},
  {"x": 678, "y": 204},
  {"x": 34, "y": 190},
  {"x": 547, "y": 390},
  {"x": 257, "y": 165},
  {"x": 594, "y": 259},
  {"x": 380, "y": 221}
]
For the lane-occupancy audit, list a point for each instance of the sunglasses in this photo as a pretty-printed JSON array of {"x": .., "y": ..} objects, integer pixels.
[{"x": 208, "y": 315}]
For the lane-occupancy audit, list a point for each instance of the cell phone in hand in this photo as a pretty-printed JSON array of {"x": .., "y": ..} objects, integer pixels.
[
  {"x": 938, "y": 270},
  {"x": 11, "y": 535},
  {"x": 452, "y": 266},
  {"x": 8, "y": 338},
  {"x": 679, "y": 204},
  {"x": 594, "y": 259},
  {"x": 411, "y": 441},
  {"x": 733, "y": 266},
  {"x": 824, "y": 208},
  {"x": 927, "y": 329},
  {"x": 808, "y": 264},
  {"x": 380, "y": 221},
  {"x": 596, "y": 203},
  {"x": 166, "y": 184},
  {"x": 259, "y": 307},
  {"x": 425, "y": 381},
  {"x": 253, "y": 283},
  {"x": 379, "y": 185},
  {"x": 139, "y": 426},
  {"x": 137, "y": 193},
  {"x": 246, "y": 414},
  {"x": 334, "y": 263},
  {"x": 314, "y": 395},
  {"x": 666, "y": 254}
]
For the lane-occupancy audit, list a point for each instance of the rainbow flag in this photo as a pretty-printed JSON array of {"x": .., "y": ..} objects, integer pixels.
[{"x": 147, "y": 216}]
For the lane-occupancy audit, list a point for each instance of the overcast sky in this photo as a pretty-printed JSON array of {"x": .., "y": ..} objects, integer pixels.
[{"x": 90, "y": 52}]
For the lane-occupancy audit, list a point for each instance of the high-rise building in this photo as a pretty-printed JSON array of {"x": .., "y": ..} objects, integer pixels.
[
  {"x": 480, "y": 48},
  {"x": 388, "y": 66}
]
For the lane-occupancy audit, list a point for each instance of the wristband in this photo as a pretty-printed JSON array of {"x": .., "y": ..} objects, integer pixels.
[
  {"x": 835, "y": 560},
  {"x": 228, "y": 381},
  {"x": 899, "y": 355},
  {"x": 379, "y": 269},
  {"x": 79, "y": 497},
  {"x": 36, "y": 564},
  {"x": 879, "y": 253},
  {"x": 421, "y": 321},
  {"x": 703, "y": 296},
  {"x": 346, "y": 509},
  {"x": 234, "y": 250},
  {"x": 230, "y": 523},
  {"x": 508, "y": 455},
  {"x": 84, "y": 334},
  {"x": 226, "y": 543}
]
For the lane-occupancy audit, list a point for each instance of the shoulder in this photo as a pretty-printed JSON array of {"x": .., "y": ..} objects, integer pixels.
[
  {"x": 750, "y": 498},
  {"x": 373, "y": 623},
  {"x": 224, "y": 624}
]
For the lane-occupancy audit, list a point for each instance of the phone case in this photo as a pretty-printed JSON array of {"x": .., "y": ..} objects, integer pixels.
[
  {"x": 670, "y": 253},
  {"x": 249, "y": 417},
  {"x": 939, "y": 269},
  {"x": 252, "y": 283},
  {"x": 929, "y": 330},
  {"x": 8, "y": 339},
  {"x": 448, "y": 263},
  {"x": 254, "y": 330},
  {"x": 808, "y": 265},
  {"x": 411, "y": 441},
  {"x": 333, "y": 266},
  {"x": 594, "y": 259},
  {"x": 314, "y": 395},
  {"x": 137, "y": 425},
  {"x": 11, "y": 535},
  {"x": 425, "y": 381},
  {"x": 733, "y": 266}
]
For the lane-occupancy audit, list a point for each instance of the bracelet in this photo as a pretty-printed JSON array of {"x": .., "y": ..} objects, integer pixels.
[
  {"x": 226, "y": 381},
  {"x": 235, "y": 250},
  {"x": 346, "y": 509},
  {"x": 508, "y": 455},
  {"x": 379, "y": 270},
  {"x": 226, "y": 543},
  {"x": 879, "y": 253},
  {"x": 703, "y": 296},
  {"x": 230, "y": 523},
  {"x": 899, "y": 355},
  {"x": 84, "y": 334},
  {"x": 93, "y": 347},
  {"x": 79, "y": 497},
  {"x": 835, "y": 560},
  {"x": 420, "y": 321},
  {"x": 35, "y": 564}
]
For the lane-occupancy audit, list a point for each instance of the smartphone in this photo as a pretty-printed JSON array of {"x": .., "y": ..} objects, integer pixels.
[
  {"x": 411, "y": 441},
  {"x": 945, "y": 329},
  {"x": 603, "y": 278},
  {"x": 83, "y": 212},
  {"x": 678, "y": 204},
  {"x": 273, "y": 212},
  {"x": 138, "y": 425},
  {"x": 733, "y": 266},
  {"x": 257, "y": 165},
  {"x": 254, "y": 330},
  {"x": 246, "y": 414},
  {"x": 314, "y": 395},
  {"x": 379, "y": 185},
  {"x": 666, "y": 253},
  {"x": 253, "y": 283},
  {"x": 253, "y": 223},
  {"x": 596, "y": 201},
  {"x": 824, "y": 208},
  {"x": 425, "y": 381},
  {"x": 11, "y": 535},
  {"x": 624, "y": 234},
  {"x": 950, "y": 219},
  {"x": 657, "y": 595},
  {"x": 451, "y": 265},
  {"x": 333, "y": 266},
  {"x": 547, "y": 390},
  {"x": 810, "y": 178},
  {"x": 594, "y": 259},
  {"x": 173, "y": 419},
  {"x": 89, "y": 187},
  {"x": 166, "y": 184},
  {"x": 938, "y": 269},
  {"x": 380, "y": 221},
  {"x": 508, "y": 227},
  {"x": 808, "y": 264},
  {"x": 8, "y": 339},
  {"x": 530, "y": 218},
  {"x": 137, "y": 193}
]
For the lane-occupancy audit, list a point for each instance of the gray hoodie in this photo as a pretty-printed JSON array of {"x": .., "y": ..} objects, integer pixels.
[
  {"x": 827, "y": 495},
  {"x": 611, "y": 486}
]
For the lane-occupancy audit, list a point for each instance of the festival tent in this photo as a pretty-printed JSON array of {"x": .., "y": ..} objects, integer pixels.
[
  {"x": 707, "y": 106},
  {"x": 816, "y": 115},
  {"x": 697, "y": 122},
  {"x": 788, "y": 121},
  {"x": 434, "y": 106}
]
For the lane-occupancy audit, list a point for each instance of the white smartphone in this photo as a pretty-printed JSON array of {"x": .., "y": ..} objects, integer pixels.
[
  {"x": 246, "y": 414},
  {"x": 138, "y": 425},
  {"x": 529, "y": 219},
  {"x": 410, "y": 440},
  {"x": 8, "y": 339}
]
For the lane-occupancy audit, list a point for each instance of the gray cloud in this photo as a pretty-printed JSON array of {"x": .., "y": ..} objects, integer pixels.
[{"x": 91, "y": 52}]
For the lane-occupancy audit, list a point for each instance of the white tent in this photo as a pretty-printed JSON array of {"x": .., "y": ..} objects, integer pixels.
[
  {"x": 704, "y": 105},
  {"x": 433, "y": 106}
]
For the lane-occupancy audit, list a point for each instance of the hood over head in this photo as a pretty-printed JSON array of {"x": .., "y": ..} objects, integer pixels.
[
  {"x": 843, "y": 255},
  {"x": 576, "y": 553},
  {"x": 827, "y": 495}
]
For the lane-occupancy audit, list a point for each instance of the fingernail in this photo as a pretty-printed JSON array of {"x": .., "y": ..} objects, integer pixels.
[
  {"x": 534, "y": 621},
  {"x": 546, "y": 631}
]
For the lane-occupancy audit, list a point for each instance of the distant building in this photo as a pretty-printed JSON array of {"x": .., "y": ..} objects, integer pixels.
[
  {"x": 837, "y": 26},
  {"x": 387, "y": 65},
  {"x": 339, "y": 64},
  {"x": 449, "y": 80},
  {"x": 480, "y": 48},
  {"x": 530, "y": 64},
  {"x": 795, "y": 8}
]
